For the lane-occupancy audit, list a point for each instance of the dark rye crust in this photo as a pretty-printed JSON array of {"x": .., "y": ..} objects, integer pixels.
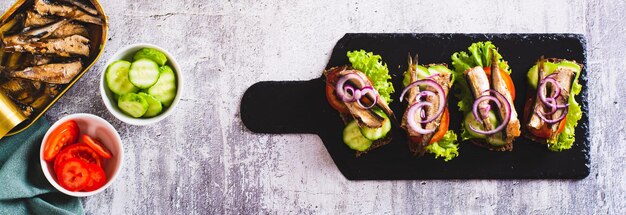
[
  {"x": 530, "y": 99},
  {"x": 485, "y": 144}
]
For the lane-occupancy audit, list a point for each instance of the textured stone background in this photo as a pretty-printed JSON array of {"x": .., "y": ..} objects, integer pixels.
[{"x": 202, "y": 160}]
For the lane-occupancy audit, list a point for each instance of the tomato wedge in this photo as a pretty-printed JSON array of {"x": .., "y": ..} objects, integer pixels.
[
  {"x": 96, "y": 146},
  {"x": 73, "y": 174},
  {"x": 506, "y": 77},
  {"x": 561, "y": 126},
  {"x": 80, "y": 151},
  {"x": 443, "y": 127},
  {"x": 97, "y": 178},
  {"x": 336, "y": 103},
  {"x": 65, "y": 134},
  {"x": 509, "y": 83}
]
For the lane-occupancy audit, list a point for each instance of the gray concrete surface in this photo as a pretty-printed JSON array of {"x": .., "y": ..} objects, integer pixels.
[{"x": 202, "y": 160}]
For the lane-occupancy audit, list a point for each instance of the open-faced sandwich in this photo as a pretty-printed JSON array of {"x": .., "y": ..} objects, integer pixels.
[
  {"x": 361, "y": 93},
  {"x": 426, "y": 119},
  {"x": 551, "y": 112},
  {"x": 486, "y": 97}
]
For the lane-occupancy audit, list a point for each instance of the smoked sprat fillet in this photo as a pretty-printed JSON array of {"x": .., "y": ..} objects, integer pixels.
[{"x": 59, "y": 73}]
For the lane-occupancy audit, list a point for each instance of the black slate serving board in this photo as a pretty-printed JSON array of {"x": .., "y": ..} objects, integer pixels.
[{"x": 301, "y": 107}]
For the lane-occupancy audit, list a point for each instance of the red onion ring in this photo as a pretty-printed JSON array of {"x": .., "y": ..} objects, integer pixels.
[
  {"x": 419, "y": 105},
  {"x": 366, "y": 90},
  {"x": 550, "y": 102},
  {"x": 438, "y": 90},
  {"x": 413, "y": 124},
  {"x": 432, "y": 76},
  {"x": 481, "y": 99},
  {"x": 500, "y": 100},
  {"x": 339, "y": 87},
  {"x": 424, "y": 93},
  {"x": 541, "y": 90},
  {"x": 348, "y": 93},
  {"x": 551, "y": 121}
]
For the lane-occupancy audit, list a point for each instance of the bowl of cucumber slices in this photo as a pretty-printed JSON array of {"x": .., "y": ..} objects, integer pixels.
[{"x": 141, "y": 85}]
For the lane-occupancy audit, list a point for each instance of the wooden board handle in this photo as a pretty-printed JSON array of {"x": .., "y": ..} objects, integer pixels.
[{"x": 284, "y": 107}]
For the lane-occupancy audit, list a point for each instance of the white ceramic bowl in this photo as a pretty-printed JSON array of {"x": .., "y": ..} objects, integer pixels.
[
  {"x": 127, "y": 53},
  {"x": 95, "y": 127}
]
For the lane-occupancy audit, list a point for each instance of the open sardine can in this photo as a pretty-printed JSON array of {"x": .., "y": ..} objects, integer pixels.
[
  {"x": 14, "y": 118},
  {"x": 10, "y": 115}
]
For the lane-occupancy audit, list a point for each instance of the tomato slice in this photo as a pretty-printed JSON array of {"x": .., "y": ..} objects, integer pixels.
[
  {"x": 543, "y": 132},
  {"x": 96, "y": 146},
  {"x": 506, "y": 77},
  {"x": 561, "y": 126},
  {"x": 97, "y": 179},
  {"x": 488, "y": 72},
  {"x": 81, "y": 151},
  {"x": 443, "y": 127},
  {"x": 73, "y": 174},
  {"x": 65, "y": 134},
  {"x": 509, "y": 83},
  {"x": 331, "y": 96}
]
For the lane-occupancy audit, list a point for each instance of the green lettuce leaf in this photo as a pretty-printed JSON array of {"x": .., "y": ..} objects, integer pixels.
[
  {"x": 372, "y": 66},
  {"x": 446, "y": 147},
  {"x": 566, "y": 139}
]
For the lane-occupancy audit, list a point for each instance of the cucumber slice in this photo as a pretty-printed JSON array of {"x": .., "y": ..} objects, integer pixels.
[
  {"x": 151, "y": 54},
  {"x": 117, "y": 78},
  {"x": 497, "y": 140},
  {"x": 569, "y": 64},
  {"x": 154, "y": 106},
  {"x": 422, "y": 72},
  {"x": 143, "y": 73},
  {"x": 354, "y": 139},
  {"x": 133, "y": 104},
  {"x": 165, "y": 88},
  {"x": 470, "y": 120},
  {"x": 533, "y": 73},
  {"x": 439, "y": 69},
  {"x": 377, "y": 133}
]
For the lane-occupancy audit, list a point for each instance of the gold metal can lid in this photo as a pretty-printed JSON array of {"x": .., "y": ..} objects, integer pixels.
[{"x": 10, "y": 115}]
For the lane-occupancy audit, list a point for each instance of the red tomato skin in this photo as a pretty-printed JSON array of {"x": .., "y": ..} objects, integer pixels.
[
  {"x": 73, "y": 174},
  {"x": 80, "y": 151},
  {"x": 96, "y": 146},
  {"x": 331, "y": 96},
  {"x": 97, "y": 180},
  {"x": 443, "y": 127},
  {"x": 65, "y": 134}
]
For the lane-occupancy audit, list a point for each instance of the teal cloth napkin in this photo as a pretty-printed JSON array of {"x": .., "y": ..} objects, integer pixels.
[{"x": 23, "y": 187}]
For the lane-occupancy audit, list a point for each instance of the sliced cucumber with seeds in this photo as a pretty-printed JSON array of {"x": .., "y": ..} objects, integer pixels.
[
  {"x": 117, "y": 78},
  {"x": 154, "y": 106},
  {"x": 143, "y": 73},
  {"x": 377, "y": 133},
  {"x": 165, "y": 88},
  {"x": 497, "y": 140},
  {"x": 470, "y": 120},
  {"x": 354, "y": 139},
  {"x": 133, "y": 104},
  {"x": 152, "y": 54}
]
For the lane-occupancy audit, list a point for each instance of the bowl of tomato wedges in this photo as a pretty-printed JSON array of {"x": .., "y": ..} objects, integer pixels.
[{"x": 81, "y": 155}]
